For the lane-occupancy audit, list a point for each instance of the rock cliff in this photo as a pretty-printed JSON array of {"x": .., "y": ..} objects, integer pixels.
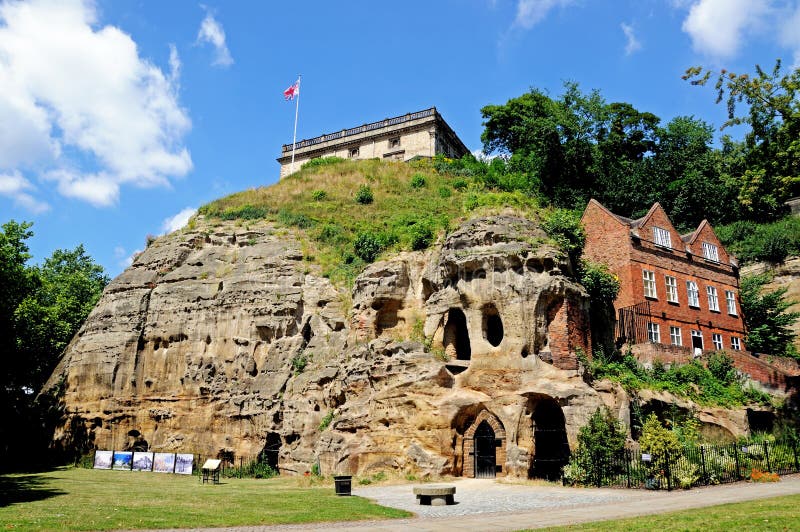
[{"x": 224, "y": 340}]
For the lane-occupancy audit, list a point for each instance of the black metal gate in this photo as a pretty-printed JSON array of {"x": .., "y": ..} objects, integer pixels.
[{"x": 485, "y": 457}]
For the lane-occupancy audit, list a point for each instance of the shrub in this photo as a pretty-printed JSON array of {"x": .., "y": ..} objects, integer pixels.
[
  {"x": 602, "y": 438},
  {"x": 418, "y": 181},
  {"x": 460, "y": 183},
  {"x": 659, "y": 442},
  {"x": 364, "y": 195},
  {"x": 245, "y": 212},
  {"x": 332, "y": 234},
  {"x": 421, "y": 236},
  {"x": 298, "y": 220},
  {"x": 565, "y": 228},
  {"x": 326, "y": 421},
  {"x": 299, "y": 363},
  {"x": 444, "y": 192},
  {"x": 318, "y": 194},
  {"x": 367, "y": 246},
  {"x": 602, "y": 285},
  {"x": 720, "y": 364},
  {"x": 323, "y": 161}
]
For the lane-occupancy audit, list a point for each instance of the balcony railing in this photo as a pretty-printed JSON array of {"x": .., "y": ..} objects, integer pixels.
[{"x": 361, "y": 129}]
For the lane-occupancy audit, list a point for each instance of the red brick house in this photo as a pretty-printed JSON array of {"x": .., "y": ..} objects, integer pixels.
[{"x": 675, "y": 290}]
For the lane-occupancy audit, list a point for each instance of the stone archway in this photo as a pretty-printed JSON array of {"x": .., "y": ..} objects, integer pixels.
[
  {"x": 456, "y": 335},
  {"x": 484, "y": 440},
  {"x": 551, "y": 447}
]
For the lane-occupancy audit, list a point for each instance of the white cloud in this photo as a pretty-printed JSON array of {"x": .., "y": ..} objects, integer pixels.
[
  {"x": 531, "y": 12},
  {"x": 80, "y": 108},
  {"x": 176, "y": 222},
  {"x": 123, "y": 258},
  {"x": 211, "y": 32},
  {"x": 718, "y": 27},
  {"x": 16, "y": 187},
  {"x": 790, "y": 33},
  {"x": 632, "y": 44}
]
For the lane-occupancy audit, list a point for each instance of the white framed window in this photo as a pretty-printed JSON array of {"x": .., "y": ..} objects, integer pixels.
[
  {"x": 736, "y": 343},
  {"x": 649, "y": 279},
  {"x": 672, "y": 288},
  {"x": 716, "y": 338},
  {"x": 713, "y": 300},
  {"x": 710, "y": 251},
  {"x": 661, "y": 237},
  {"x": 697, "y": 339},
  {"x": 675, "y": 337},
  {"x": 730, "y": 298},
  {"x": 653, "y": 333},
  {"x": 693, "y": 294}
]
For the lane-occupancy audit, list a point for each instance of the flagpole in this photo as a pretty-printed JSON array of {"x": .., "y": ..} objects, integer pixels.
[{"x": 296, "y": 111}]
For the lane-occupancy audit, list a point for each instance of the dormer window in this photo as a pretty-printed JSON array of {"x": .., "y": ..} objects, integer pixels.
[
  {"x": 661, "y": 237},
  {"x": 710, "y": 251}
]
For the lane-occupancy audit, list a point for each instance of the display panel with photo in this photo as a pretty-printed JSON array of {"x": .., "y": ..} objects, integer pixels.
[
  {"x": 183, "y": 464},
  {"x": 142, "y": 461},
  {"x": 122, "y": 460},
  {"x": 164, "y": 462},
  {"x": 102, "y": 459}
]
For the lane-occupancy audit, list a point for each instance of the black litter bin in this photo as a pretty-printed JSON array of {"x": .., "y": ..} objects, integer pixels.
[{"x": 343, "y": 484}]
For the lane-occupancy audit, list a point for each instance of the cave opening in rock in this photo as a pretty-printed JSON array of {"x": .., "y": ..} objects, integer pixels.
[
  {"x": 386, "y": 316},
  {"x": 272, "y": 448},
  {"x": 551, "y": 448},
  {"x": 456, "y": 335},
  {"x": 492, "y": 325}
]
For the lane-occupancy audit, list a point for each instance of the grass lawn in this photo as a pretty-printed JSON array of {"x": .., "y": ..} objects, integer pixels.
[
  {"x": 779, "y": 513},
  {"x": 88, "y": 499}
]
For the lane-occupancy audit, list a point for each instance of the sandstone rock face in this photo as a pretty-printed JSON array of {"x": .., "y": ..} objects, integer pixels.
[{"x": 224, "y": 340}]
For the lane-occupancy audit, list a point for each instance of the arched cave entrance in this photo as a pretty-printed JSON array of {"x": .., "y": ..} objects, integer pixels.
[
  {"x": 456, "y": 336},
  {"x": 272, "y": 448},
  {"x": 551, "y": 448},
  {"x": 485, "y": 451},
  {"x": 492, "y": 325}
]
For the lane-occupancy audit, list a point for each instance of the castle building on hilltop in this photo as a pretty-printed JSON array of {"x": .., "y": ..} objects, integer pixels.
[
  {"x": 680, "y": 291},
  {"x": 420, "y": 134}
]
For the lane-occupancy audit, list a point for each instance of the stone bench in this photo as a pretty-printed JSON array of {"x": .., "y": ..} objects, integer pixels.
[{"x": 435, "y": 495}]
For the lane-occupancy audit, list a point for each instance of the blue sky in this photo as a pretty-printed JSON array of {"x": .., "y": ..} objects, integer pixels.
[{"x": 118, "y": 118}]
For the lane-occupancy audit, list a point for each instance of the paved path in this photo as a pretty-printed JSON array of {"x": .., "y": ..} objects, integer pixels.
[{"x": 487, "y": 505}]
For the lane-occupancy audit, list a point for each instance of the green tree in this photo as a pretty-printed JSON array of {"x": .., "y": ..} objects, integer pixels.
[
  {"x": 599, "y": 441},
  {"x": 770, "y": 150},
  {"x": 767, "y": 318},
  {"x": 688, "y": 171},
  {"x": 43, "y": 307}
]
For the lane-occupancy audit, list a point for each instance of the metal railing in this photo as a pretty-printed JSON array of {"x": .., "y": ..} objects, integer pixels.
[
  {"x": 361, "y": 129},
  {"x": 701, "y": 465}
]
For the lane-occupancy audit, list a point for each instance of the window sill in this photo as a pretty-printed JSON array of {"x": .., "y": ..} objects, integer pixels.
[
  {"x": 651, "y": 298},
  {"x": 674, "y": 303},
  {"x": 696, "y": 307},
  {"x": 714, "y": 311}
]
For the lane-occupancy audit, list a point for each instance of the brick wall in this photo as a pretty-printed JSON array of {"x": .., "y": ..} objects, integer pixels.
[{"x": 628, "y": 249}]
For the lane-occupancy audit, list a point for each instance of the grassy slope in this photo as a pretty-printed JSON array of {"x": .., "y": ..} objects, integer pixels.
[
  {"x": 87, "y": 499},
  {"x": 332, "y": 224},
  {"x": 779, "y": 513}
]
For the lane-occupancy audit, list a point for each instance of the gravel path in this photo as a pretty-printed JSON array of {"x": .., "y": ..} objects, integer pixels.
[{"x": 487, "y": 496}]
